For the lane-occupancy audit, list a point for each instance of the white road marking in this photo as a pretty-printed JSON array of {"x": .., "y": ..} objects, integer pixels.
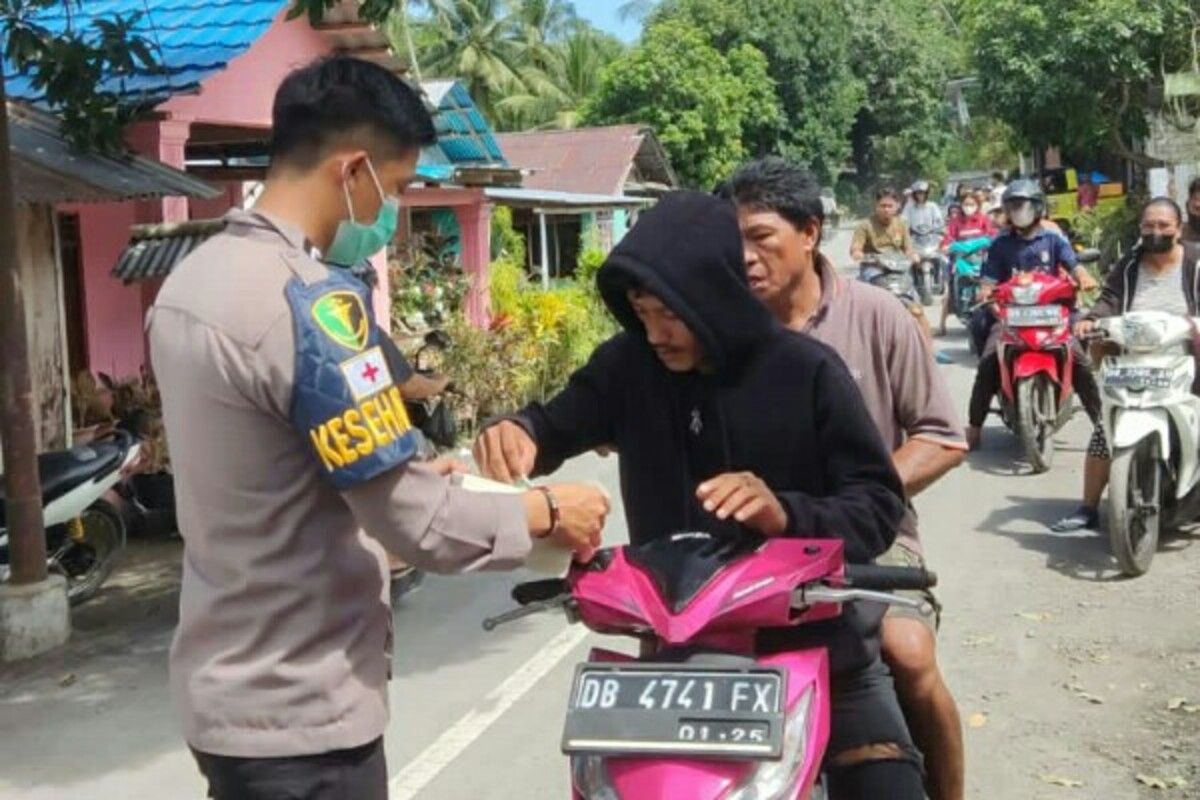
[{"x": 422, "y": 770}]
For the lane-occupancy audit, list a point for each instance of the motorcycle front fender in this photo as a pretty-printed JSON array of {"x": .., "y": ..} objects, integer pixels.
[
  {"x": 1031, "y": 362},
  {"x": 1128, "y": 426}
]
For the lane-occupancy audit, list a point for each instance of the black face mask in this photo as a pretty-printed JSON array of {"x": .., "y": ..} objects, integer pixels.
[{"x": 1157, "y": 242}]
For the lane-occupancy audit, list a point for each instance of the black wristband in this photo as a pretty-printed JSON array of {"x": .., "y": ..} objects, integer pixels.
[{"x": 555, "y": 511}]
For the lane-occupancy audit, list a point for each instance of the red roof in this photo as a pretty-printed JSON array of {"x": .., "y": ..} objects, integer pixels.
[{"x": 583, "y": 160}]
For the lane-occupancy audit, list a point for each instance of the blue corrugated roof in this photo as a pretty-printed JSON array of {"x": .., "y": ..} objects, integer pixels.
[
  {"x": 192, "y": 38},
  {"x": 464, "y": 137}
]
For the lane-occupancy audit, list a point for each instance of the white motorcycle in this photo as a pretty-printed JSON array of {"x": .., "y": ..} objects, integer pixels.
[
  {"x": 1153, "y": 424},
  {"x": 84, "y": 532}
]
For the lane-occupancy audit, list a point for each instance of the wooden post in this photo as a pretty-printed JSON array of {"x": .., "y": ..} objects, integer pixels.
[{"x": 22, "y": 488}]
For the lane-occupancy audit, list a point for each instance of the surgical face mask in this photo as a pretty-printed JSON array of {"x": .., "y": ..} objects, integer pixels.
[
  {"x": 1157, "y": 242},
  {"x": 1023, "y": 214},
  {"x": 970, "y": 209},
  {"x": 357, "y": 241}
]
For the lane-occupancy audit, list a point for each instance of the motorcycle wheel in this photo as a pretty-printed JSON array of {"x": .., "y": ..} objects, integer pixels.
[
  {"x": 1037, "y": 416},
  {"x": 1134, "y": 506},
  {"x": 923, "y": 288},
  {"x": 87, "y": 564}
]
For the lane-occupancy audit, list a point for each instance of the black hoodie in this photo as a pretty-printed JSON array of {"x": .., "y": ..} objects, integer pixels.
[{"x": 772, "y": 402}]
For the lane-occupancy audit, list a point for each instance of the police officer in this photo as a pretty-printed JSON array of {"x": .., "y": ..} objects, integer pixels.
[{"x": 293, "y": 457}]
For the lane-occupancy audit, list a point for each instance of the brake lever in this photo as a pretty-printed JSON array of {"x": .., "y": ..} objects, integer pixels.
[
  {"x": 807, "y": 596},
  {"x": 562, "y": 601}
]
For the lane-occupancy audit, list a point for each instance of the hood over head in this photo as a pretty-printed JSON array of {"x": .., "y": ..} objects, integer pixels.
[{"x": 687, "y": 252}]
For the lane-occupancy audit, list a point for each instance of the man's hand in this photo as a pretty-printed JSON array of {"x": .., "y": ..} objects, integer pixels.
[
  {"x": 505, "y": 452},
  {"x": 1086, "y": 282},
  {"x": 449, "y": 466},
  {"x": 744, "y": 497},
  {"x": 582, "y": 510}
]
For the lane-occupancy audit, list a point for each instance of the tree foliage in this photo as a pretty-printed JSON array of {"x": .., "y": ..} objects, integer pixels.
[
  {"x": 807, "y": 46},
  {"x": 79, "y": 72},
  {"x": 1075, "y": 74},
  {"x": 903, "y": 58},
  {"x": 704, "y": 103}
]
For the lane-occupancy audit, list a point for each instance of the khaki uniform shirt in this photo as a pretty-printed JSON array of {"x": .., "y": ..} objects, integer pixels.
[
  {"x": 883, "y": 348},
  {"x": 873, "y": 237},
  {"x": 283, "y": 642}
]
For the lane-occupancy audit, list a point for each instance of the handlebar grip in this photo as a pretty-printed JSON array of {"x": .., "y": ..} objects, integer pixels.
[
  {"x": 537, "y": 591},
  {"x": 884, "y": 578}
]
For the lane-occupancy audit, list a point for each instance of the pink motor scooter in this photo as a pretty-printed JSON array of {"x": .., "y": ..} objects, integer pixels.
[{"x": 704, "y": 717}]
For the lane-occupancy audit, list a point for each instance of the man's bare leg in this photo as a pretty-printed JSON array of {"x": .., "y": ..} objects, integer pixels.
[{"x": 909, "y": 649}]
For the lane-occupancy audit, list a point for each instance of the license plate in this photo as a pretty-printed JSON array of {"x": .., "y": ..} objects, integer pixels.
[
  {"x": 1034, "y": 316},
  {"x": 655, "y": 709},
  {"x": 1137, "y": 378}
]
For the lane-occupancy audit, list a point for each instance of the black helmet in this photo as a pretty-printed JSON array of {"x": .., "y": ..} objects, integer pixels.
[
  {"x": 1021, "y": 190},
  {"x": 1025, "y": 189}
]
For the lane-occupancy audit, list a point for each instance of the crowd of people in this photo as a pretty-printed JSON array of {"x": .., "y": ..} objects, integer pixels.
[{"x": 751, "y": 392}]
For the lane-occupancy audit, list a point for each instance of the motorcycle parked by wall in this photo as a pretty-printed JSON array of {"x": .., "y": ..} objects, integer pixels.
[
  {"x": 893, "y": 272},
  {"x": 929, "y": 273},
  {"x": 701, "y": 715},
  {"x": 1153, "y": 424},
  {"x": 1036, "y": 370},
  {"x": 84, "y": 531}
]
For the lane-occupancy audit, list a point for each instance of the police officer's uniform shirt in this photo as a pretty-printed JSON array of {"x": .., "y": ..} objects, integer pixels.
[{"x": 291, "y": 452}]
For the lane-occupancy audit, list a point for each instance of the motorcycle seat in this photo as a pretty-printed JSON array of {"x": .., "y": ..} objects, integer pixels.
[{"x": 63, "y": 470}]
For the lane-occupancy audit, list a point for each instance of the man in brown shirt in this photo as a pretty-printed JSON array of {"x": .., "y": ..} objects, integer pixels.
[
  {"x": 294, "y": 467},
  {"x": 780, "y": 213},
  {"x": 884, "y": 231}
]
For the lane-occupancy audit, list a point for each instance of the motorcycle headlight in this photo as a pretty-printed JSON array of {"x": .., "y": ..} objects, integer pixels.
[
  {"x": 1026, "y": 295},
  {"x": 776, "y": 780},
  {"x": 590, "y": 776},
  {"x": 1142, "y": 335}
]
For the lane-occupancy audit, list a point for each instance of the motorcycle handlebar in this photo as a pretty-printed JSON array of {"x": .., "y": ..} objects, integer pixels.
[
  {"x": 886, "y": 578},
  {"x": 539, "y": 591}
]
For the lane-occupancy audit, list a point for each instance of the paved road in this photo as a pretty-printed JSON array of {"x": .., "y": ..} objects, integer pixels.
[{"x": 1065, "y": 672}]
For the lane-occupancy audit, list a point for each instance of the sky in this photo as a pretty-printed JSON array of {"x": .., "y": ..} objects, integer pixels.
[{"x": 603, "y": 14}]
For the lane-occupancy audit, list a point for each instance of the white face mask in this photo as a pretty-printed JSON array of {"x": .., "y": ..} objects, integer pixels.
[
  {"x": 1022, "y": 215},
  {"x": 970, "y": 210}
]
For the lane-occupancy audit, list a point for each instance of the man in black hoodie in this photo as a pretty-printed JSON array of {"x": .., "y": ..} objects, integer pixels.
[{"x": 727, "y": 422}]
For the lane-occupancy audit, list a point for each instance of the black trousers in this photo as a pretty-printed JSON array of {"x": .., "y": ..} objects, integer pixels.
[
  {"x": 359, "y": 773},
  {"x": 865, "y": 711}
]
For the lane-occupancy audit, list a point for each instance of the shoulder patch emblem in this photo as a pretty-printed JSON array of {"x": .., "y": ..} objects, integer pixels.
[
  {"x": 367, "y": 374},
  {"x": 342, "y": 317}
]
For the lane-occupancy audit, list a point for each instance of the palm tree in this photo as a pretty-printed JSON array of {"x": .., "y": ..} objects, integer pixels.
[
  {"x": 635, "y": 9},
  {"x": 550, "y": 20},
  {"x": 553, "y": 97},
  {"x": 476, "y": 41}
]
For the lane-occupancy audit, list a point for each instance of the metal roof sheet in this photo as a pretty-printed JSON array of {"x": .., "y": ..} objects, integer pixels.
[
  {"x": 154, "y": 250},
  {"x": 590, "y": 160},
  {"x": 546, "y": 197},
  {"x": 48, "y": 170},
  {"x": 464, "y": 136},
  {"x": 193, "y": 39}
]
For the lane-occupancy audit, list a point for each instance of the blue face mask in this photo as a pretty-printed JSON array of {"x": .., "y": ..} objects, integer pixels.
[{"x": 356, "y": 241}]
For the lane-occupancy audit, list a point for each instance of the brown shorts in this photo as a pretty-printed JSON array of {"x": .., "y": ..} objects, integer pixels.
[{"x": 930, "y": 613}]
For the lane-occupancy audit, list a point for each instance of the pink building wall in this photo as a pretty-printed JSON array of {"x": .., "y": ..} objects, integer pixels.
[
  {"x": 243, "y": 92},
  {"x": 240, "y": 95}
]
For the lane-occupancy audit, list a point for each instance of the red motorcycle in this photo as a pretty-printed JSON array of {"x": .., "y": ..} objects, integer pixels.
[{"x": 1036, "y": 370}]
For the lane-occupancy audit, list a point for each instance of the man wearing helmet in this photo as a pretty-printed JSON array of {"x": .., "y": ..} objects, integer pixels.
[{"x": 1026, "y": 246}]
